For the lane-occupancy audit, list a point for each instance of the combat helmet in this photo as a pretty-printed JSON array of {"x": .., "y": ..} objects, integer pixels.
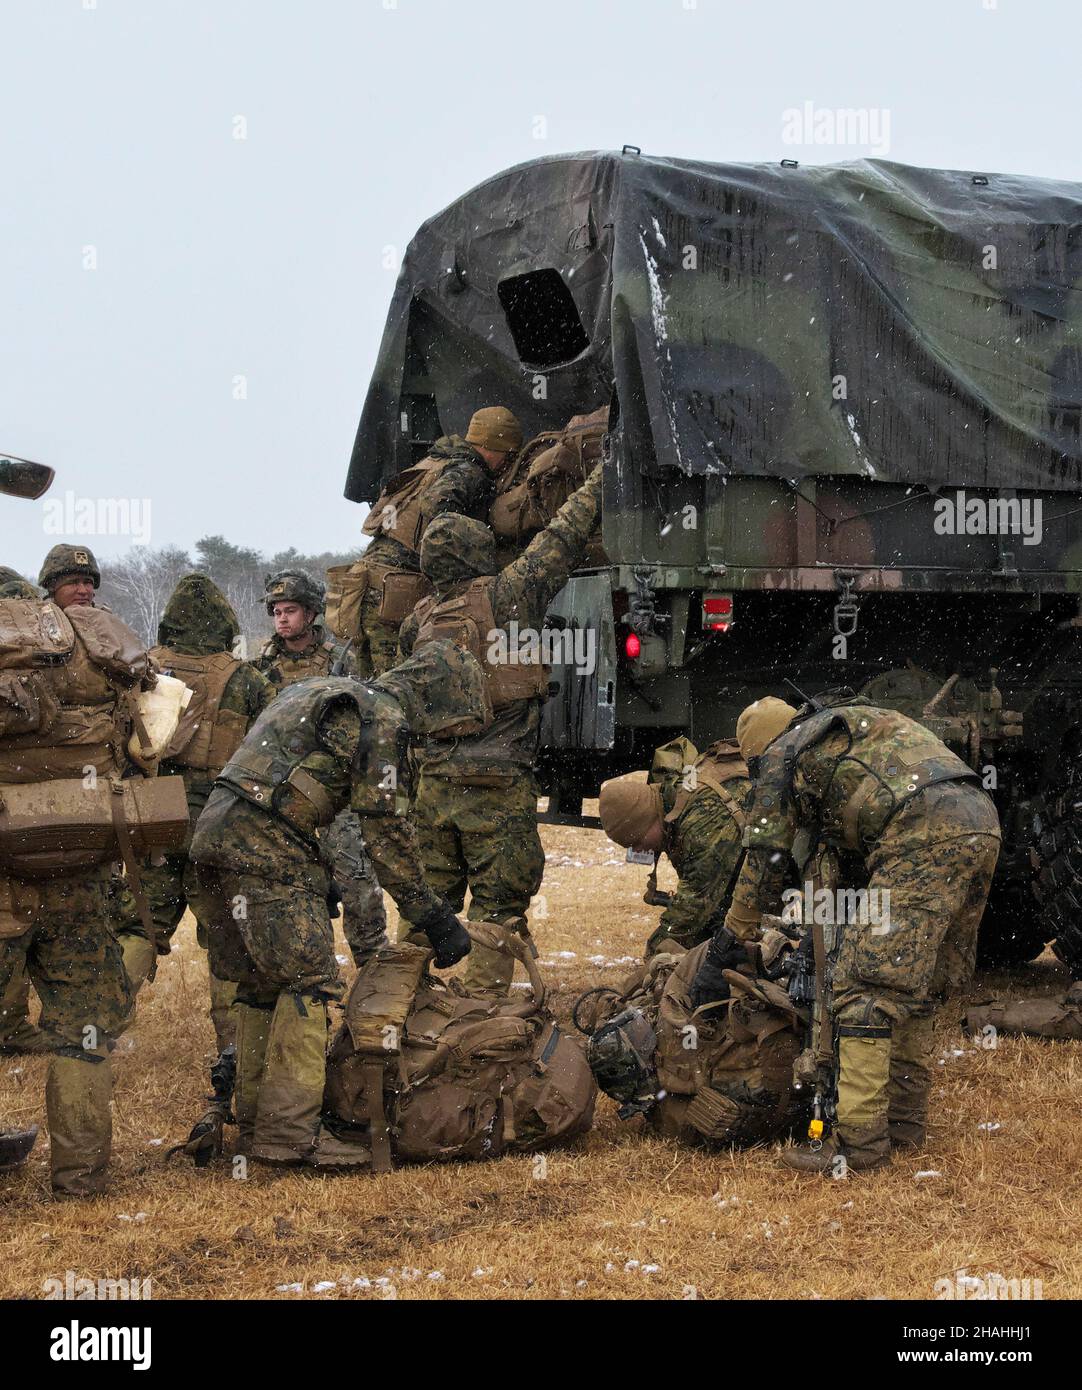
[
  {"x": 621, "y": 1057},
  {"x": 294, "y": 586},
  {"x": 65, "y": 559}
]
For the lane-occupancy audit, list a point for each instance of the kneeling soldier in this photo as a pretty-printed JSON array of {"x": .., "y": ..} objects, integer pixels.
[
  {"x": 876, "y": 783},
  {"x": 261, "y": 884}
]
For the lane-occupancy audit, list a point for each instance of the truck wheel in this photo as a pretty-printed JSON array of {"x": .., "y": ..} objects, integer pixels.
[
  {"x": 1058, "y": 886},
  {"x": 1012, "y": 929}
]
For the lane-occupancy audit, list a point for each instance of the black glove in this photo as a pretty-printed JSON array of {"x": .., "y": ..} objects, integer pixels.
[
  {"x": 334, "y": 899},
  {"x": 725, "y": 952},
  {"x": 448, "y": 936}
]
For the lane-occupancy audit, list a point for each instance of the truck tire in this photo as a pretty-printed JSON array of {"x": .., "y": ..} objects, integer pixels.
[
  {"x": 1058, "y": 885},
  {"x": 1012, "y": 930}
]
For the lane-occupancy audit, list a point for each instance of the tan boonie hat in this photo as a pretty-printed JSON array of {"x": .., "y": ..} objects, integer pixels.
[
  {"x": 495, "y": 428},
  {"x": 629, "y": 807},
  {"x": 761, "y": 723}
]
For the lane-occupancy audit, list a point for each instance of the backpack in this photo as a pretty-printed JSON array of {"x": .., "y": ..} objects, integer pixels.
[
  {"x": 726, "y": 1079},
  {"x": 546, "y": 472},
  {"x": 421, "y": 1071}
]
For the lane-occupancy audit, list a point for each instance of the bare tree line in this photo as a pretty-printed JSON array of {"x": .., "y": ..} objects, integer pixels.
[{"x": 138, "y": 584}]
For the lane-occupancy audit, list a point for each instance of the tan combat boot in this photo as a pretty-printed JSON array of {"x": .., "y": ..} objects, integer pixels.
[
  {"x": 77, "y": 1102},
  {"x": 860, "y": 1141},
  {"x": 294, "y": 1075},
  {"x": 252, "y": 1027},
  {"x": 910, "y": 1080}
]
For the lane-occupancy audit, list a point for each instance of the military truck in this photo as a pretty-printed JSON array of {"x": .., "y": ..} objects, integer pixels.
[{"x": 845, "y": 448}]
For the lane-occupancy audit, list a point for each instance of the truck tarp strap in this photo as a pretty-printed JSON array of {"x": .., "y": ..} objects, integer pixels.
[{"x": 131, "y": 864}]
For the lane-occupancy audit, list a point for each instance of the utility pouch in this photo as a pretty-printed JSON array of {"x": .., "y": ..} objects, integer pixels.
[{"x": 62, "y": 825}]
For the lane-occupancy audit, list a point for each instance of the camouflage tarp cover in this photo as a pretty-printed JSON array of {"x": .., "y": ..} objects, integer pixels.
[{"x": 725, "y": 300}]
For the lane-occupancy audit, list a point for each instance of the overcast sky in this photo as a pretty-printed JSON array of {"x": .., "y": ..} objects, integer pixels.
[{"x": 190, "y": 318}]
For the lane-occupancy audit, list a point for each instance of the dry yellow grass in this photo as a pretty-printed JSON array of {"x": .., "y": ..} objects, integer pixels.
[{"x": 622, "y": 1216}]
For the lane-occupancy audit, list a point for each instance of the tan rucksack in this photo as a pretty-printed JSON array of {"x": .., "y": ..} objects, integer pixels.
[
  {"x": 546, "y": 472},
  {"x": 724, "y": 1079},
  {"x": 422, "y": 1071}
]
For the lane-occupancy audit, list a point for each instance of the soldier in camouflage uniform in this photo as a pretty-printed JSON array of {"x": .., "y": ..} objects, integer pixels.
[
  {"x": 875, "y": 783},
  {"x": 300, "y": 649},
  {"x": 196, "y": 637},
  {"x": 55, "y": 926},
  {"x": 476, "y": 802},
  {"x": 18, "y": 478},
  {"x": 457, "y": 476},
  {"x": 69, "y": 574},
  {"x": 17, "y": 1033},
  {"x": 694, "y": 814},
  {"x": 262, "y": 885}
]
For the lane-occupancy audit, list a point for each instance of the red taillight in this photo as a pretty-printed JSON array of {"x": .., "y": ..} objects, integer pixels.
[
  {"x": 632, "y": 646},
  {"x": 717, "y": 612}
]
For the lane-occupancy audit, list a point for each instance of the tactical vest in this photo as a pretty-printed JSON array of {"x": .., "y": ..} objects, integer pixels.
[
  {"x": 720, "y": 763},
  {"x": 734, "y": 1085},
  {"x": 268, "y": 769},
  {"x": 284, "y": 671},
  {"x": 68, "y": 681},
  {"x": 897, "y": 756},
  {"x": 467, "y": 620},
  {"x": 207, "y": 735},
  {"x": 399, "y": 511}
]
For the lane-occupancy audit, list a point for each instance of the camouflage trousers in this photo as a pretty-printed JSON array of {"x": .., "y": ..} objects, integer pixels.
[
  {"x": 269, "y": 938},
  {"x": 364, "y": 917},
  {"x": 276, "y": 942},
  {"x": 167, "y": 887},
  {"x": 71, "y": 956},
  {"x": 891, "y": 975},
  {"x": 376, "y": 644},
  {"x": 928, "y": 947},
  {"x": 482, "y": 835}
]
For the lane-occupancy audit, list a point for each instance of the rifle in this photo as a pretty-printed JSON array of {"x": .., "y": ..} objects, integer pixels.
[
  {"x": 338, "y": 667},
  {"x": 810, "y": 988}
]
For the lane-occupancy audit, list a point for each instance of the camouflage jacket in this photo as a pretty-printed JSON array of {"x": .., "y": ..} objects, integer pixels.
[
  {"x": 237, "y": 834},
  {"x": 852, "y": 794},
  {"x": 704, "y": 844},
  {"x": 282, "y": 667},
  {"x": 199, "y": 620},
  {"x": 522, "y": 593},
  {"x": 466, "y": 487}
]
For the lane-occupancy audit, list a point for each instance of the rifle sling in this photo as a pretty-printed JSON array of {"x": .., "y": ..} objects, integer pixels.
[{"x": 131, "y": 864}]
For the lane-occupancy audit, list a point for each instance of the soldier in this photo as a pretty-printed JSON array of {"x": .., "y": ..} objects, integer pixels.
[
  {"x": 875, "y": 783},
  {"x": 261, "y": 884},
  {"x": 457, "y": 476},
  {"x": 70, "y": 575},
  {"x": 19, "y": 478},
  {"x": 79, "y": 669},
  {"x": 17, "y": 1033},
  {"x": 695, "y": 816},
  {"x": 300, "y": 649},
  {"x": 13, "y": 585},
  {"x": 476, "y": 802},
  {"x": 196, "y": 637}
]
